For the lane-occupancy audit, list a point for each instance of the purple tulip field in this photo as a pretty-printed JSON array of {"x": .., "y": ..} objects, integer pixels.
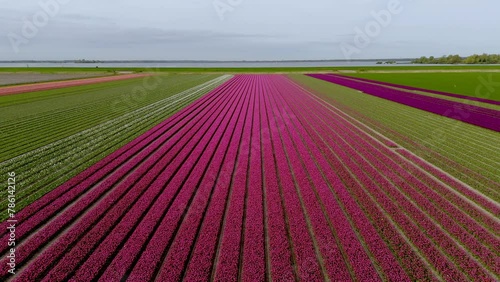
[
  {"x": 483, "y": 117},
  {"x": 262, "y": 180},
  {"x": 477, "y": 99}
]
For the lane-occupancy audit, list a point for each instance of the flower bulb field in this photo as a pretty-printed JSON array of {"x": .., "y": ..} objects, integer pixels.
[{"x": 248, "y": 177}]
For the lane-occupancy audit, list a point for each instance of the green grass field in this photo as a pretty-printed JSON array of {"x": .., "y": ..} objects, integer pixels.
[{"x": 464, "y": 83}]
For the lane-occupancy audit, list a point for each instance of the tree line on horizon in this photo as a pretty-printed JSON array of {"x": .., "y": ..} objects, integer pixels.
[{"x": 456, "y": 59}]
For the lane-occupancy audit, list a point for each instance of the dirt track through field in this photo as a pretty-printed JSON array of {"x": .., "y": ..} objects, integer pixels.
[
  {"x": 33, "y": 77},
  {"x": 423, "y": 71},
  {"x": 18, "y": 89}
]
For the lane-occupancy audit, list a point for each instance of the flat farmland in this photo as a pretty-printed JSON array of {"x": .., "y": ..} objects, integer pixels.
[
  {"x": 37, "y": 87},
  {"x": 49, "y": 136},
  {"x": 465, "y": 82},
  {"x": 250, "y": 178},
  {"x": 467, "y": 152},
  {"x": 24, "y": 78}
]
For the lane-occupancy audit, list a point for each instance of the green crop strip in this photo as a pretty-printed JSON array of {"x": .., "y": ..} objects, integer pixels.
[
  {"x": 56, "y": 144},
  {"x": 56, "y": 77},
  {"x": 464, "y": 83},
  {"x": 47, "y": 116}
]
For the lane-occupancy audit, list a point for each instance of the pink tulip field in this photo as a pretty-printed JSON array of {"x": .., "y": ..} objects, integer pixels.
[{"x": 263, "y": 180}]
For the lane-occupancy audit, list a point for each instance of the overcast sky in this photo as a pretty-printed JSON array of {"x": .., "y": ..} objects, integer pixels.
[{"x": 245, "y": 29}]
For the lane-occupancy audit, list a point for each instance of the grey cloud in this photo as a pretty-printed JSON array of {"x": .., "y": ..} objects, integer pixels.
[{"x": 257, "y": 29}]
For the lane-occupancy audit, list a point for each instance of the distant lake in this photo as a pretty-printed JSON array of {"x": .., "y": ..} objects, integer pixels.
[{"x": 205, "y": 64}]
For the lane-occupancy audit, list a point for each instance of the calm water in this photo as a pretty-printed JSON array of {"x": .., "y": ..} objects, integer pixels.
[{"x": 204, "y": 64}]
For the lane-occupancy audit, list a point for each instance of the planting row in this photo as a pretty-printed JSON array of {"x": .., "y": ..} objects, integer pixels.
[
  {"x": 47, "y": 167},
  {"x": 257, "y": 180},
  {"x": 465, "y": 151},
  {"x": 483, "y": 246},
  {"x": 486, "y": 118},
  {"x": 10, "y": 90},
  {"x": 79, "y": 189},
  {"x": 477, "y": 99}
]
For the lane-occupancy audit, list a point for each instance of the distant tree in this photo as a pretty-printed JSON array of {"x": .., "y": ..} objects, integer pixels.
[
  {"x": 456, "y": 59},
  {"x": 471, "y": 59}
]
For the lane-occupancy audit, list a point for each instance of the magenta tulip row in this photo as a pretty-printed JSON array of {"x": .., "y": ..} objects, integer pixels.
[
  {"x": 111, "y": 199},
  {"x": 434, "y": 192},
  {"x": 432, "y": 154},
  {"x": 444, "y": 102},
  {"x": 162, "y": 205},
  {"x": 57, "y": 199},
  {"x": 295, "y": 208},
  {"x": 460, "y": 202},
  {"x": 270, "y": 129},
  {"x": 488, "y": 101},
  {"x": 373, "y": 238},
  {"x": 485, "y": 254},
  {"x": 359, "y": 261},
  {"x": 103, "y": 167},
  {"x": 256, "y": 180},
  {"x": 253, "y": 265},
  {"x": 231, "y": 237},
  {"x": 180, "y": 248},
  {"x": 357, "y": 165},
  {"x": 166, "y": 199},
  {"x": 204, "y": 250},
  {"x": 483, "y": 117},
  {"x": 444, "y": 220},
  {"x": 182, "y": 163},
  {"x": 180, "y": 193}
]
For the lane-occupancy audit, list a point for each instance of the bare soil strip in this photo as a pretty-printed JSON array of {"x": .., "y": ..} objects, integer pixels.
[
  {"x": 11, "y": 79},
  {"x": 10, "y": 90}
]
